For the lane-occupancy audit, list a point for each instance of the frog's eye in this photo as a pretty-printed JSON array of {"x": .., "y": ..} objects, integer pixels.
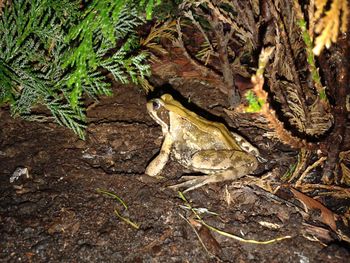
[{"x": 156, "y": 105}]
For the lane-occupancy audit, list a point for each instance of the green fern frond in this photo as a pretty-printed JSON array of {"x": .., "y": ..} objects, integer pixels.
[
  {"x": 149, "y": 6},
  {"x": 52, "y": 53},
  {"x": 102, "y": 24},
  {"x": 74, "y": 119}
]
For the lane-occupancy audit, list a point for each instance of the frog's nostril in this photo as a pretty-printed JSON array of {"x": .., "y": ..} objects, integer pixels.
[{"x": 155, "y": 105}]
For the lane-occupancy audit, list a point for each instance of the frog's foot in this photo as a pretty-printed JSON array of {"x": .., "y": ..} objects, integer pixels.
[
  {"x": 193, "y": 183},
  {"x": 199, "y": 181}
]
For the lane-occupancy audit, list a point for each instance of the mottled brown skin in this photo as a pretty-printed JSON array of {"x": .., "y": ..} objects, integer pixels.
[{"x": 199, "y": 145}]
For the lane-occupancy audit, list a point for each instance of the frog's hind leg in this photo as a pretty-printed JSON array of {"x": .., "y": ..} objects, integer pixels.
[
  {"x": 221, "y": 165},
  {"x": 199, "y": 181}
]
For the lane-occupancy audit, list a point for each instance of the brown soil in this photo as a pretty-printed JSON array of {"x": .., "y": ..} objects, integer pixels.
[{"x": 55, "y": 213}]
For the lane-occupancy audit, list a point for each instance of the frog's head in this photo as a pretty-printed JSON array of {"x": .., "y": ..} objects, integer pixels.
[{"x": 159, "y": 111}]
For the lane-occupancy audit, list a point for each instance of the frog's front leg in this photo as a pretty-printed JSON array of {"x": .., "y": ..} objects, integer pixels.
[
  {"x": 220, "y": 165},
  {"x": 157, "y": 164}
]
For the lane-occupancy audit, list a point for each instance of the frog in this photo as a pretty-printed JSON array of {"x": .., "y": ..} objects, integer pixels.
[{"x": 199, "y": 145}]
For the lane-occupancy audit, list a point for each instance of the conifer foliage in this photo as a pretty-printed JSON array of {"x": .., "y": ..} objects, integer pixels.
[{"x": 53, "y": 52}]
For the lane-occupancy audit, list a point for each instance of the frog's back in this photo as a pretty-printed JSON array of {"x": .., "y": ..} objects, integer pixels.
[{"x": 192, "y": 137}]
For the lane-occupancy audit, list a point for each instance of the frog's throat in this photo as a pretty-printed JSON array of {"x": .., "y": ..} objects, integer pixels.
[{"x": 202, "y": 123}]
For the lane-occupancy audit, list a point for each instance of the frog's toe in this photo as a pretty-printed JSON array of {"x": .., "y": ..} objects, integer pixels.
[
  {"x": 193, "y": 183},
  {"x": 191, "y": 177},
  {"x": 207, "y": 179}
]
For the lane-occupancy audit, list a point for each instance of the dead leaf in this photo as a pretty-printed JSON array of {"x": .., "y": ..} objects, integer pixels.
[{"x": 327, "y": 216}]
